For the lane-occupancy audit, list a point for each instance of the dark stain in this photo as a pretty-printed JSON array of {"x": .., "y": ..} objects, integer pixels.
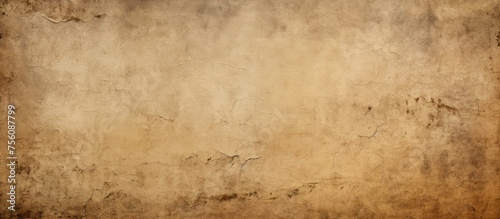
[
  {"x": 25, "y": 214},
  {"x": 98, "y": 16},
  {"x": 369, "y": 109},
  {"x": 442, "y": 105},
  {"x": 292, "y": 193},
  {"x": 109, "y": 195},
  {"x": 122, "y": 199},
  {"x": 436, "y": 118},
  {"x": 26, "y": 169},
  {"x": 251, "y": 194},
  {"x": 431, "y": 16},
  {"x": 275, "y": 26},
  {"x": 432, "y": 117},
  {"x": 498, "y": 38},
  {"x": 225, "y": 197},
  {"x": 467, "y": 29}
]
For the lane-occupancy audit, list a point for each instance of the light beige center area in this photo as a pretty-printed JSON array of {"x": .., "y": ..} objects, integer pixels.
[{"x": 253, "y": 109}]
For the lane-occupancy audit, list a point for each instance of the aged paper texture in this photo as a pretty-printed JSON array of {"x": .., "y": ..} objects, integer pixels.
[{"x": 251, "y": 109}]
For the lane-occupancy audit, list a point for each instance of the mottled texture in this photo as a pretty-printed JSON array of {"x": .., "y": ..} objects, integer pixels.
[{"x": 255, "y": 109}]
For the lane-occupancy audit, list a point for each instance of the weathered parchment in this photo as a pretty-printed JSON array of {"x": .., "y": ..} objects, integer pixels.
[{"x": 253, "y": 109}]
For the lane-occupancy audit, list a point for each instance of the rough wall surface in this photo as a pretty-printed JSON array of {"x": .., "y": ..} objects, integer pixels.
[{"x": 254, "y": 109}]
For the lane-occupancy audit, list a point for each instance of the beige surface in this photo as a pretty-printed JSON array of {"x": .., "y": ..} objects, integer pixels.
[{"x": 257, "y": 109}]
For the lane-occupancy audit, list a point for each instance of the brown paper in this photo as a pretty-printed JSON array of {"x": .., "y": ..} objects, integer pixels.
[{"x": 251, "y": 109}]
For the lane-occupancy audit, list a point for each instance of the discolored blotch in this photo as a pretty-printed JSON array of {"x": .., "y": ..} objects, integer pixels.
[
  {"x": 99, "y": 16},
  {"x": 498, "y": 38},
  {"x": 442, "y": 105},
  {"x": 425, "y": 167},
  {"x": 252, "y": 194},
  {"x": 225, "y": 197},
  {"x": 292, "y": 193}
]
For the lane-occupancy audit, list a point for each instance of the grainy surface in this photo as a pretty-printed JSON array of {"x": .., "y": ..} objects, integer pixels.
[{"x": 254, "y": 109}]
